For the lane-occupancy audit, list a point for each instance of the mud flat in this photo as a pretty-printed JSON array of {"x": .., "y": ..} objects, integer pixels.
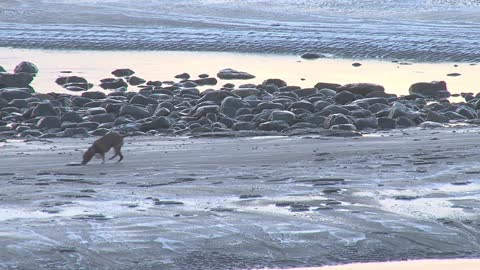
[{"x": 276, "y": 202}]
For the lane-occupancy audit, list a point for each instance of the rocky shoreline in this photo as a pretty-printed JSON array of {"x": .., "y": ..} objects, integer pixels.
[{"x": 189, "y": 106}]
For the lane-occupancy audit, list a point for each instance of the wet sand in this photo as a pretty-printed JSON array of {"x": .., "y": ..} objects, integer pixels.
[
  {"x": 164, "y": 65},
  {"x": 276, "y": 202}
]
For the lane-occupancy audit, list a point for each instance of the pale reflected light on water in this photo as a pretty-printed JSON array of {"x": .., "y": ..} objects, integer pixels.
[{"x": 164, "y": 65}]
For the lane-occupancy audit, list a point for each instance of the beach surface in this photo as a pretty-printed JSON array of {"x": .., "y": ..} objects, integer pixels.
[{"x": 256, "y": 202}]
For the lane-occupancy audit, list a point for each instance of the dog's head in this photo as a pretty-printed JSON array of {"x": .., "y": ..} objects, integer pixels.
[{"x": 88, "y": 155}]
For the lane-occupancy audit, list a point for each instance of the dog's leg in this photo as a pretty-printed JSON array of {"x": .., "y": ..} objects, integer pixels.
[
  {"x": 103, "y": 157},
  {"x": 113, "y": 156},
  {"x": 119, "y": 152}
]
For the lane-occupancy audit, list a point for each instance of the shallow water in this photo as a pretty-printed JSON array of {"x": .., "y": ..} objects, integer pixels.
[
  {"x": 421, "y": 30},
  {"x": 164, "y": 65}
]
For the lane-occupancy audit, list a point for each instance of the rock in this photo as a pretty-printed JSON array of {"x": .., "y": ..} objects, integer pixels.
[
  {"x": 386, "y": 123},
  {"x": 134, "y": 111},
  {"x": 94, "y": 95},
  {"x": 134, "y": 80},
  {"x": 142, "y": 100},
  {"x": 331, "y": 86},
  {"x": 344, "y": 97},
  {"x": 320, "y": 105},
  {"x": 276, "y": 82},
  {"x": 206, "y": 81},
  {"x": 377, "y": 107},
  {"x": 405, "y": 122},
  {"x": 75, "y": 88},
  {"x": 361, "y": 88},
  {"x": 429, "y": 125},
  {"x": 44, "y": 109},
  {"x": 243, "y": 126},
  {"x": 454, "y": 116},
  {"x": 15, "y": 79},
  {"x": 399, "y": 109},
  {"x": 88, "y": 125},
  {"x": 356, "y": 64},
  {"x": 315, "y": 119},
  {"x": 245, "y": 92},
  {"x": 2, "y": 69},
  {"x": 305, "y": 92},
  {"x": 111, "y": 83},
  {"x": 161, "y": 111},
  {"x": 95, "y": 110},
  {"x": 204, "y": 110},
  {"x": 433, "y": 116},
  {"x": 102, "y": 118},
  {"x": 80, "y": 101},
  {"x": 434, "y": 90},
  {"x": 72, "y": 117},
  {"x": 335, "y": 119},
  {"x": 154, "y": 83},
  {"x": 31, "y": 132},
  {"x": 369, "y": 122},
  {"x": 70, "y": 132},
  {"x": 334, "y": 109},
  {"x": 99, "y": 132},
  {"x": 277, "y": 125},
  {"x": 230, "y": 106},
  {"x": 468, "y": 112},
  {"x": 216, "y": 96},
  {"x": 48, "y": 122},
  {"x": 372, "y": 100},
  {"x": 269, "y": 106},
  {"x": 303, "y": 104},
  {"x": 70, "y": 79},
  {"x": 455, "y": 74},
  {"x": 184, "y": 76},
  {"x": 286, "y": 116},
  {"x": 26, "y": 67},
  {"x": 158, "y": 123},
  {"x": 231, "y": 74},
  {"x": 123, "y": 72},
  {"x": 18, "y": 103},
  {"x": 311, "y": 56},
  {"x": 345, "y": 127}
]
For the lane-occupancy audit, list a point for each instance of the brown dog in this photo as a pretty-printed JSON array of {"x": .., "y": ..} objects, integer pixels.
[{"x": 103, "y": 145}]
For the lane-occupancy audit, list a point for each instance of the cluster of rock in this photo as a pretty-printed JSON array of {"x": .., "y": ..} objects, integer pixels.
[{"x": 180, "y": 108}]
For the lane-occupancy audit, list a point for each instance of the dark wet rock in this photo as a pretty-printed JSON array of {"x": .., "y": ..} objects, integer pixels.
[
  {"x": 315, "y": 119},
  {"x": 303, "y": 104},
  {"x": 215, "y": 96},
  {"x": 361, "y": 88},
  {"x": 269, "y": 106},
  {"x": 344, "y": 127},
  {"x": 243, "y": 126},
  {"x": 206, "y": 81},
  {"x": 70, "y": 79},
  {"x": 364, "y": 123},
  {"x": 48, "y": 122},
  {"x": 2, "y": 69},
  {"x": 405, "y": 122},
  {"x": 286, "y": 116},
  {"x": 80, "y": 101},
  {"x": 154, "y": 83},
  {"x": 405, "y": 197},
  {"x": 356, "y": 64},
  {"x": 455, "y": 74},
  {"x": 311, "y": 56},
  {"x": 161, "y": 111},
  {"x": 344, "y": 97},
  {"x": 111, "y": 83},
  {"x": 102, "y": 118},
  {"x": 123, "y": 72},
  {"x": 26, "y": 67},
  {"x": 434, "y": 90},
  {"x": 276, "y": 82},
  {"x": 305, "y": 92},
  {"x": 94, "y": 95},
  {"x": 134, "y": 111},
  {"x": 331, "y": 86},
  {"x": 75, "y": 88},
  {"x": 245, "y": 92},
  {"x": 44, "y": 109},
  {"x": 378, "y": 107},
  {"x": 15, "y": 79},
  {"x": 18, "y": 103},
  {"x": 431, "y": 125},
  {"x": 230, "y": 106},
  {"x": 277, "y": 125},
  {"x": 99, "y": 132},
  {"x": 454, "y": 116},
  {"x": 88, "y": 125},
  {"x": 335, "y": 119},
  {"x": 70, "y": 132},
  {"x": 360, "y": 113},
  {"x": 386, "y": 123},
  {"x": 204, "y": 110},
  {"x": 134, "y": 80},
  {"x": 95, "y": 110},
  {"x": 203, "y": 75},
  {"x": 320, "y": 105},
  {"x": 373, "y": 100},
  {"x": 142, "y": 100},
  {"x": 31, "y": 132},
  {"x": 436, "y": 117},
  {"x": 399, "y": 109},
  {"x": 334, "y": 109},
  {"x": 468, "y": 112},
  {"x": 231, "y": 74},
  {"x": 158, "y": 123},
  {"x": 184, "y": 76}
]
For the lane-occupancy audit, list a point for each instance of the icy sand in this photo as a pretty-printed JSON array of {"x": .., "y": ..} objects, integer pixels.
[{"x": 277, "y": 202}]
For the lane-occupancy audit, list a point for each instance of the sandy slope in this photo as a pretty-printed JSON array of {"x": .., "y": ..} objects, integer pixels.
[{"x": 241, "y": 203}]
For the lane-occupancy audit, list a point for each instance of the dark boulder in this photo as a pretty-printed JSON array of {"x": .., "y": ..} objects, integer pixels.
[
  {"x": 15, "y": 79},
  {"x": 26, "y": 67},
  {"x": 361, "y": 88},
  {"x": 123, "y": 72},
  {"x": 433, "y": 90},
  {"x": 231, "y": 74}
]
